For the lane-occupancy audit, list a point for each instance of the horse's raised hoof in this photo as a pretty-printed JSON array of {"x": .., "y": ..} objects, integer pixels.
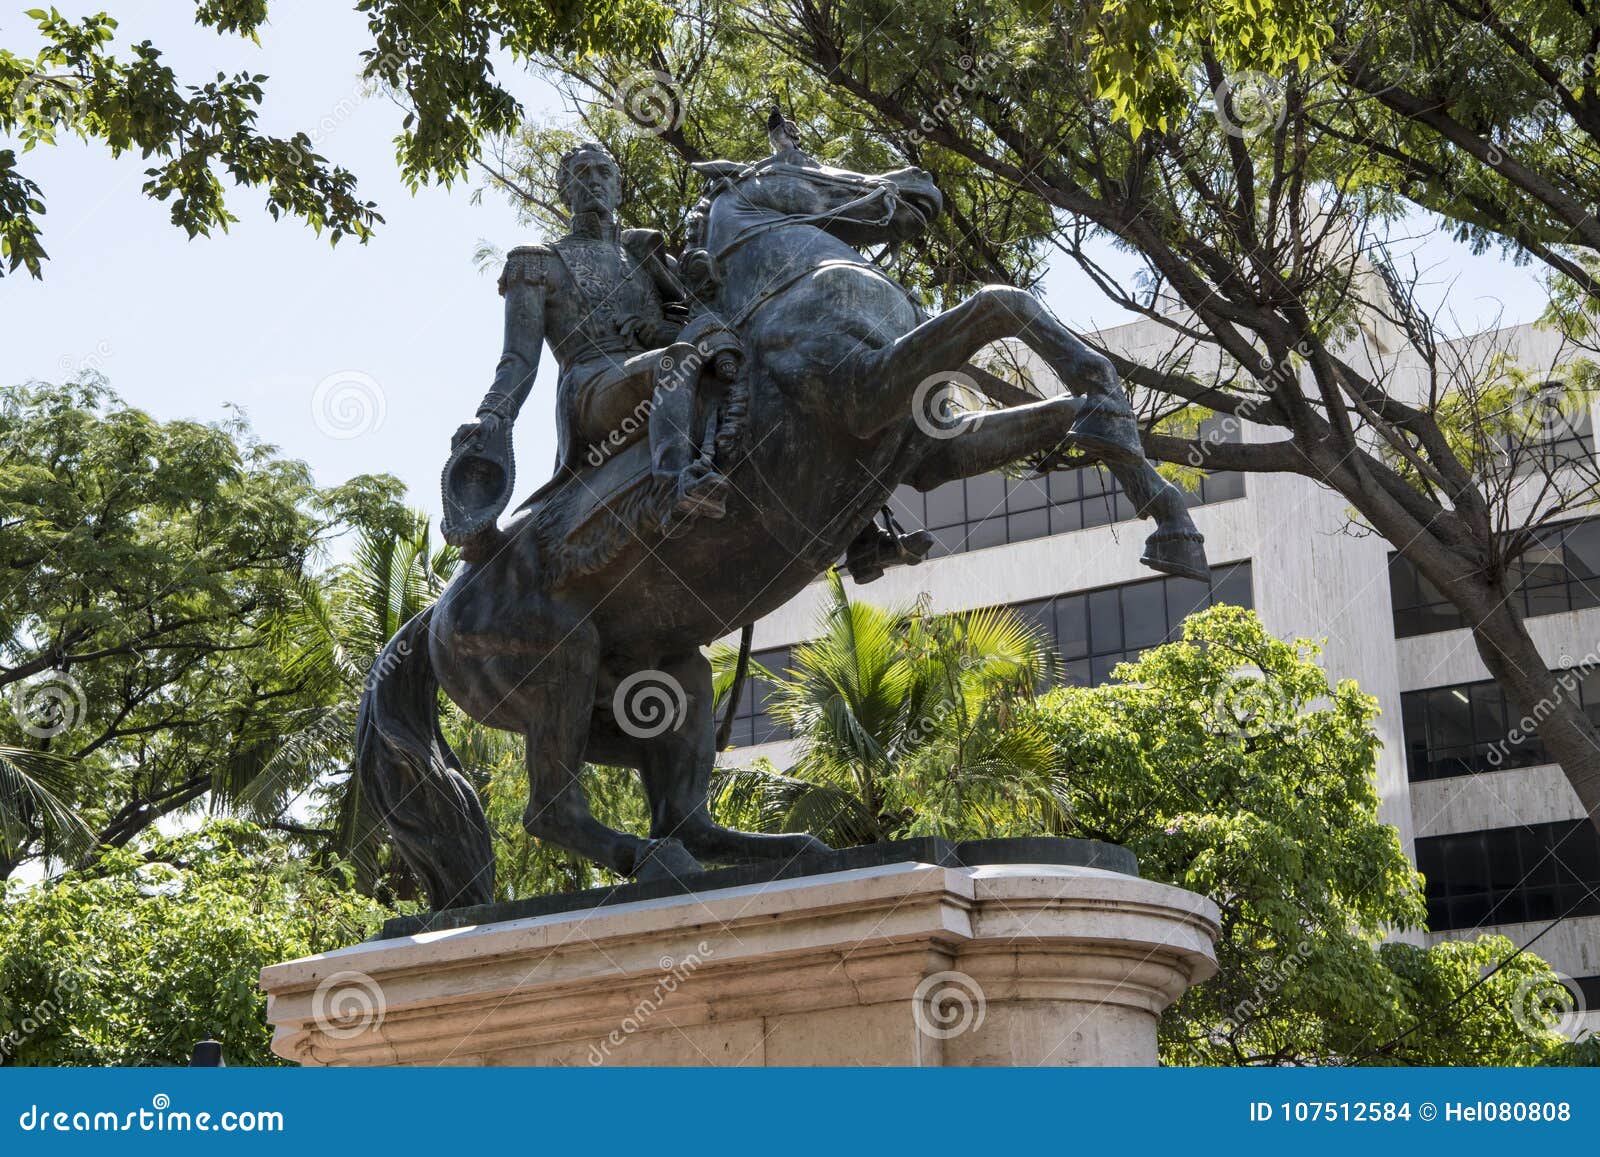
[
  {"x": 1177, "y": 552},
  {"x": 1107, "y": 430},
  {"x": 665, "y": 859}
]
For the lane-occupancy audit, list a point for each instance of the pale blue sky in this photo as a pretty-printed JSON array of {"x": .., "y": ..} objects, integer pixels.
[{"x": 263, "y": 314}]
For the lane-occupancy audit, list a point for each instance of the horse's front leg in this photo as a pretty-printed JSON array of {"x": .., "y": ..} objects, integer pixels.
[
  {"x": 914, "y": 368},
  {"x": 987, "y": 440}
]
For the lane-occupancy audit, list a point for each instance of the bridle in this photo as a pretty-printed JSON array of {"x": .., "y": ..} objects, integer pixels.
[{"x": 735, "y": 185}]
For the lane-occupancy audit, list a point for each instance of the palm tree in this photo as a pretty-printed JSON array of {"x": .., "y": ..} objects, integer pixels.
[
  {"x": 35, "y": 789},
  {"x": 907, "y": 725}
]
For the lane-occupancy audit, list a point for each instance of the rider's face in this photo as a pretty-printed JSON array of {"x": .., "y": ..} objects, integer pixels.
[{"x": 593, "y": 185}]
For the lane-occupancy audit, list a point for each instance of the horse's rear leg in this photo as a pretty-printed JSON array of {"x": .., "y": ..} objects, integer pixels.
[
  {"x": 560, "y": 698},
  {"x": 676, "y": 769}
]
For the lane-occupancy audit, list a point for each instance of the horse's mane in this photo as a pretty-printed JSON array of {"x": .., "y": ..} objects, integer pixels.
[{"x": 699, "y": 219}]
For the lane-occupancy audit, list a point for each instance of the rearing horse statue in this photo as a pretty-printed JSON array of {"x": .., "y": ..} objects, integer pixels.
[{"x": 579, "y": 622}]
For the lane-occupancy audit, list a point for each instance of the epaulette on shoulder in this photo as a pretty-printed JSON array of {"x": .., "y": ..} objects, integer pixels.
[{"x": 525, "y": 263}]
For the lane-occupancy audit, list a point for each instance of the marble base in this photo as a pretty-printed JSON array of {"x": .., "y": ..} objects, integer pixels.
[{"x": 905, "y": 964}]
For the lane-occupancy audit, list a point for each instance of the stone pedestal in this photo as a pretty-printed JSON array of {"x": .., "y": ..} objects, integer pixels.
[{"x": 907, "y": 964}]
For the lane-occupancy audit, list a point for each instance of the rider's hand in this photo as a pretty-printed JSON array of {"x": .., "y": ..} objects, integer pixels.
[{"x": 483, "y": 426}]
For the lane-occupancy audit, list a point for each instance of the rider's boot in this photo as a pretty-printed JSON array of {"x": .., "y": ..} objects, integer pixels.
[
  {"x": 876, "y": 548},
  {"x": 701, "y": 490}
]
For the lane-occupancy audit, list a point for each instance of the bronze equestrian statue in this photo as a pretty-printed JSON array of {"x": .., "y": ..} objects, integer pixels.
[{"x": 730, "y": 423}]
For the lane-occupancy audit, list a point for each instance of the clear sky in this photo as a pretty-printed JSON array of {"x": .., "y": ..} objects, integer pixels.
[{"x": 401, "y": 334}]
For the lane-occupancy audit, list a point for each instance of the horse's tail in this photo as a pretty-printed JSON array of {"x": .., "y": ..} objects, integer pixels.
[{"x": 413, "y": 780}]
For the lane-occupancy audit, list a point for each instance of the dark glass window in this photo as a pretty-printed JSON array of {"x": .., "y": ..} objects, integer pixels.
[
  {"x": 1511, "y": 875},
  {"x": 991, "y": 509},
  {"x": 1466, "y": 729},
  {"x": 752, "y": 722},
  {"x": 1557, "y": 573},
  {"x": 1096, "y": 630},
  {"x": 1093, "y": 630}
]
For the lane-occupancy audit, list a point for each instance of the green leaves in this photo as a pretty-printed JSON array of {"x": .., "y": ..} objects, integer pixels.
[
  {"x": 436, "y": 56},
  {"x": 1226, "y": 761},
  {"x": 133, "y": 962},
  {"x": 146, "y": 565}
]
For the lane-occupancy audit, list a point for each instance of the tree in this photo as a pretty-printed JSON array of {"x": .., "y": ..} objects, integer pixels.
[
  {"x": 906, "y": 724},
  {"x": 1230, "y": 767},
  {"x": 133, "y": 961},
  {"x": 1259, "y": 232},
  {"x": 145, "y": 565},
  {"x": 436, "y": 58},
  {"x": 1228, "y": 764}
]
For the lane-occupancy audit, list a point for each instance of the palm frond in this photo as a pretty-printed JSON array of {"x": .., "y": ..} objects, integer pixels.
[{"x": 35, "y": 787}]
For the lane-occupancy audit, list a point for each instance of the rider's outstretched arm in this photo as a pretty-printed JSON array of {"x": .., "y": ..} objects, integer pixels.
[{"x": 522, "y": 285}]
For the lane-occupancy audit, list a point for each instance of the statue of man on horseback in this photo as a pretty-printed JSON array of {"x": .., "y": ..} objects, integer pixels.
[
  {"x": 787, "y": 390},
  {"x": 610, "y": 303}
]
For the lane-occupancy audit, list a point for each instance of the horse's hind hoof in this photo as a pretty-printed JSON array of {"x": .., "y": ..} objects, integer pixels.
[
  {"x": 665, "y": 859},
  {"x": 1178, "y": 552}
]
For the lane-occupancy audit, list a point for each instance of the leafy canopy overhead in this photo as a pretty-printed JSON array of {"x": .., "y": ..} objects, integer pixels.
[{"x": 435, "y": 56}]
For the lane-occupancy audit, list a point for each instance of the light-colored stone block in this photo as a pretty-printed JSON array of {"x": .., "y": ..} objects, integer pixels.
[{"x": 908, "y": 964}]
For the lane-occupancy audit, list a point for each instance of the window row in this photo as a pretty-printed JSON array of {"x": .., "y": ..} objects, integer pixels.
[
  {"x": 1468, "y": 728},
  {"x": 1511, "y": 875},
  {"x": 1096, "y": 630},
  {"x": 972, "y": 513},
  {"x": 1093, "y": 630},
  {"x": 1559, "y": 572}
]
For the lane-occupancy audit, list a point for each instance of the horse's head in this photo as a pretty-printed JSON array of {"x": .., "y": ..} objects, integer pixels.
[{"x": 858, "y": 208}]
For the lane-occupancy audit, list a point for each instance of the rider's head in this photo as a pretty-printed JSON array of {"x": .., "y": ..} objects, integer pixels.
[{"x": 587, "y": 179}]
